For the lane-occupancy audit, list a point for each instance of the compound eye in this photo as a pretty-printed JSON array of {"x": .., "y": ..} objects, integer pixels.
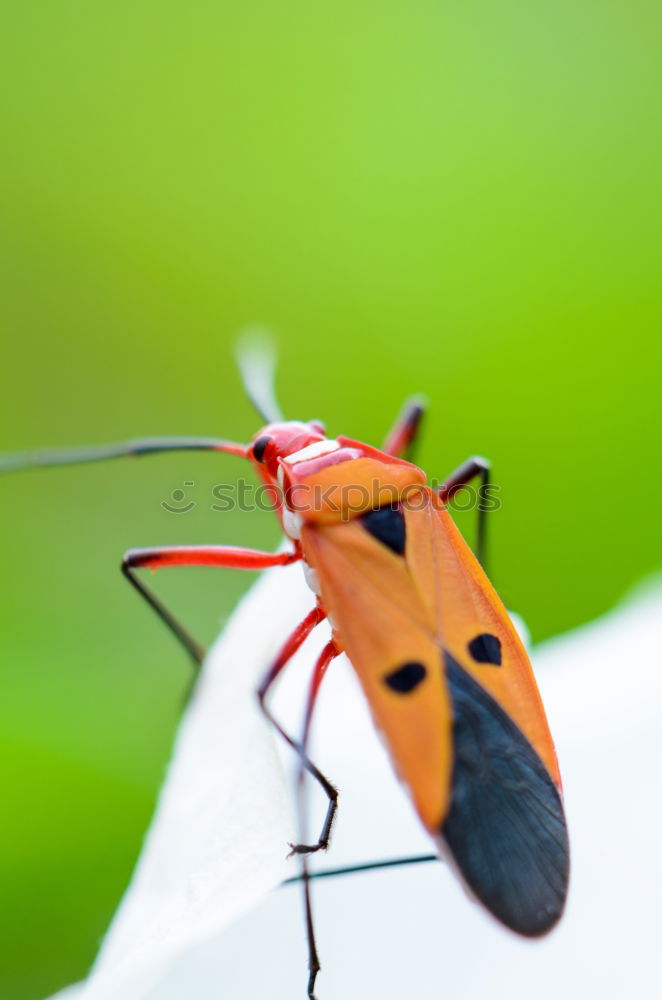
[{"x": 260, "y": 446}]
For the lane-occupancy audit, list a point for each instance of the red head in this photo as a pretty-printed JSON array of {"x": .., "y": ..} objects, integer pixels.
[
  {"x": 279, "y": 440},
  {"x": 316, "y": 478},
  {"x": 321, "y": 479}
]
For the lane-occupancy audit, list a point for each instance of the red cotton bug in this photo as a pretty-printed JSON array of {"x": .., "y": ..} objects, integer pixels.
[{"x": 447, "y": 680}]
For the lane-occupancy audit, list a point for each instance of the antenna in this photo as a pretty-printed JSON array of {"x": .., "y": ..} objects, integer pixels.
[{"x": 256, "y": 358}]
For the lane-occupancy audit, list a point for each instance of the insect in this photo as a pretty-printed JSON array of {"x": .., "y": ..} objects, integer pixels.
[{"x": 445, "y": 675}]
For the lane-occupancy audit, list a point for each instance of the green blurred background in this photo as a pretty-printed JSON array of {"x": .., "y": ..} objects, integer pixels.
[{"x": 457, "y": 199}]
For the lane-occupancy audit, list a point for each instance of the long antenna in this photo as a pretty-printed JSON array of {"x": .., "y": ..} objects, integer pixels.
[
  {"x": 256, "y": 358},
  {"x": 367, "y": 866},
  {"x": 14, "y": 461}
]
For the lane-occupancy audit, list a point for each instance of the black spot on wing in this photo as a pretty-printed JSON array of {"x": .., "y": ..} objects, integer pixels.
[
  {"x": 387, "y": 524},
  {"x": 505, "y": 827},
  {"x": 486, "y": 648},
  {"x": 406, "y": 678}
]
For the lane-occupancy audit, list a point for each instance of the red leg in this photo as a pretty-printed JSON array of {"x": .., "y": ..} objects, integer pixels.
[
  {"x": 221, "y": 556},
  {"x": 289, "y": 649},
  {"x": 402, "y": 435},
  {"x": 287, "y": 652},
  {"x": 120, "y": 449},
  {"x": 328, "y": 654}
]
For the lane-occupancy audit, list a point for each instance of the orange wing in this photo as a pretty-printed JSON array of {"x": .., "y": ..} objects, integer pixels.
[
  {"x": 450, "y": 687},
  {"x": 381, "y": 623}
]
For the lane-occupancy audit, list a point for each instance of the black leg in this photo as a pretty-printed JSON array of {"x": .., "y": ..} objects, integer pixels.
[
  {"x": 306, "y": 764},
  {"x": 216, "y": 556},
  {"x": 462, "y": 476},
  {"x": 401, "y": 439},
  {"x": 192, "y": 647},
  {"x": 329, "y": 653},
  {"x": 314, "y": 965}
]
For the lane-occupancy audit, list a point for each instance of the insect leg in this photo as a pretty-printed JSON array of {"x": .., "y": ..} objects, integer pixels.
[
  {"x": 463, "y": 475},
  {"x": 219, "y": 556},
  {"x": 401, "y": 438},
  {"x": 329, "y": 653},
  {"x": 314, "y": 964},
  {"x": 287, "y": 652},
  {"x": 120, "y": 449}
]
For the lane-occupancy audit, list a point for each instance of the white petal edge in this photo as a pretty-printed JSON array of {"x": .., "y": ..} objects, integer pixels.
[
  {"x": 218, "y": 839},
  {"x": 411, "y": 931}
]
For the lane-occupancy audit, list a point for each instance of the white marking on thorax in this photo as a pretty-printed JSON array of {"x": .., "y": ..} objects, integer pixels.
[
  {"x": 312, "y": 578},
  {"x": 292, "y": 523},
  {"x": 313, "y": 451}
]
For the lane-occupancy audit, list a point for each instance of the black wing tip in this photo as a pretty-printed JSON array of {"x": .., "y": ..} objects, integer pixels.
[
  {"x": 539, "y": 924},
  {"x": 530, "y": 914},
  {"x": 532, "y": 917},
  {"x": 505, "y": 829},
  {"x": 518, "y": 912}
]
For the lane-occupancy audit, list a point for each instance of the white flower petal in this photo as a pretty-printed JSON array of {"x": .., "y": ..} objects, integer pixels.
[
  {"x": 218, "y": 839},
  {"x": 410, "y": 931}
]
